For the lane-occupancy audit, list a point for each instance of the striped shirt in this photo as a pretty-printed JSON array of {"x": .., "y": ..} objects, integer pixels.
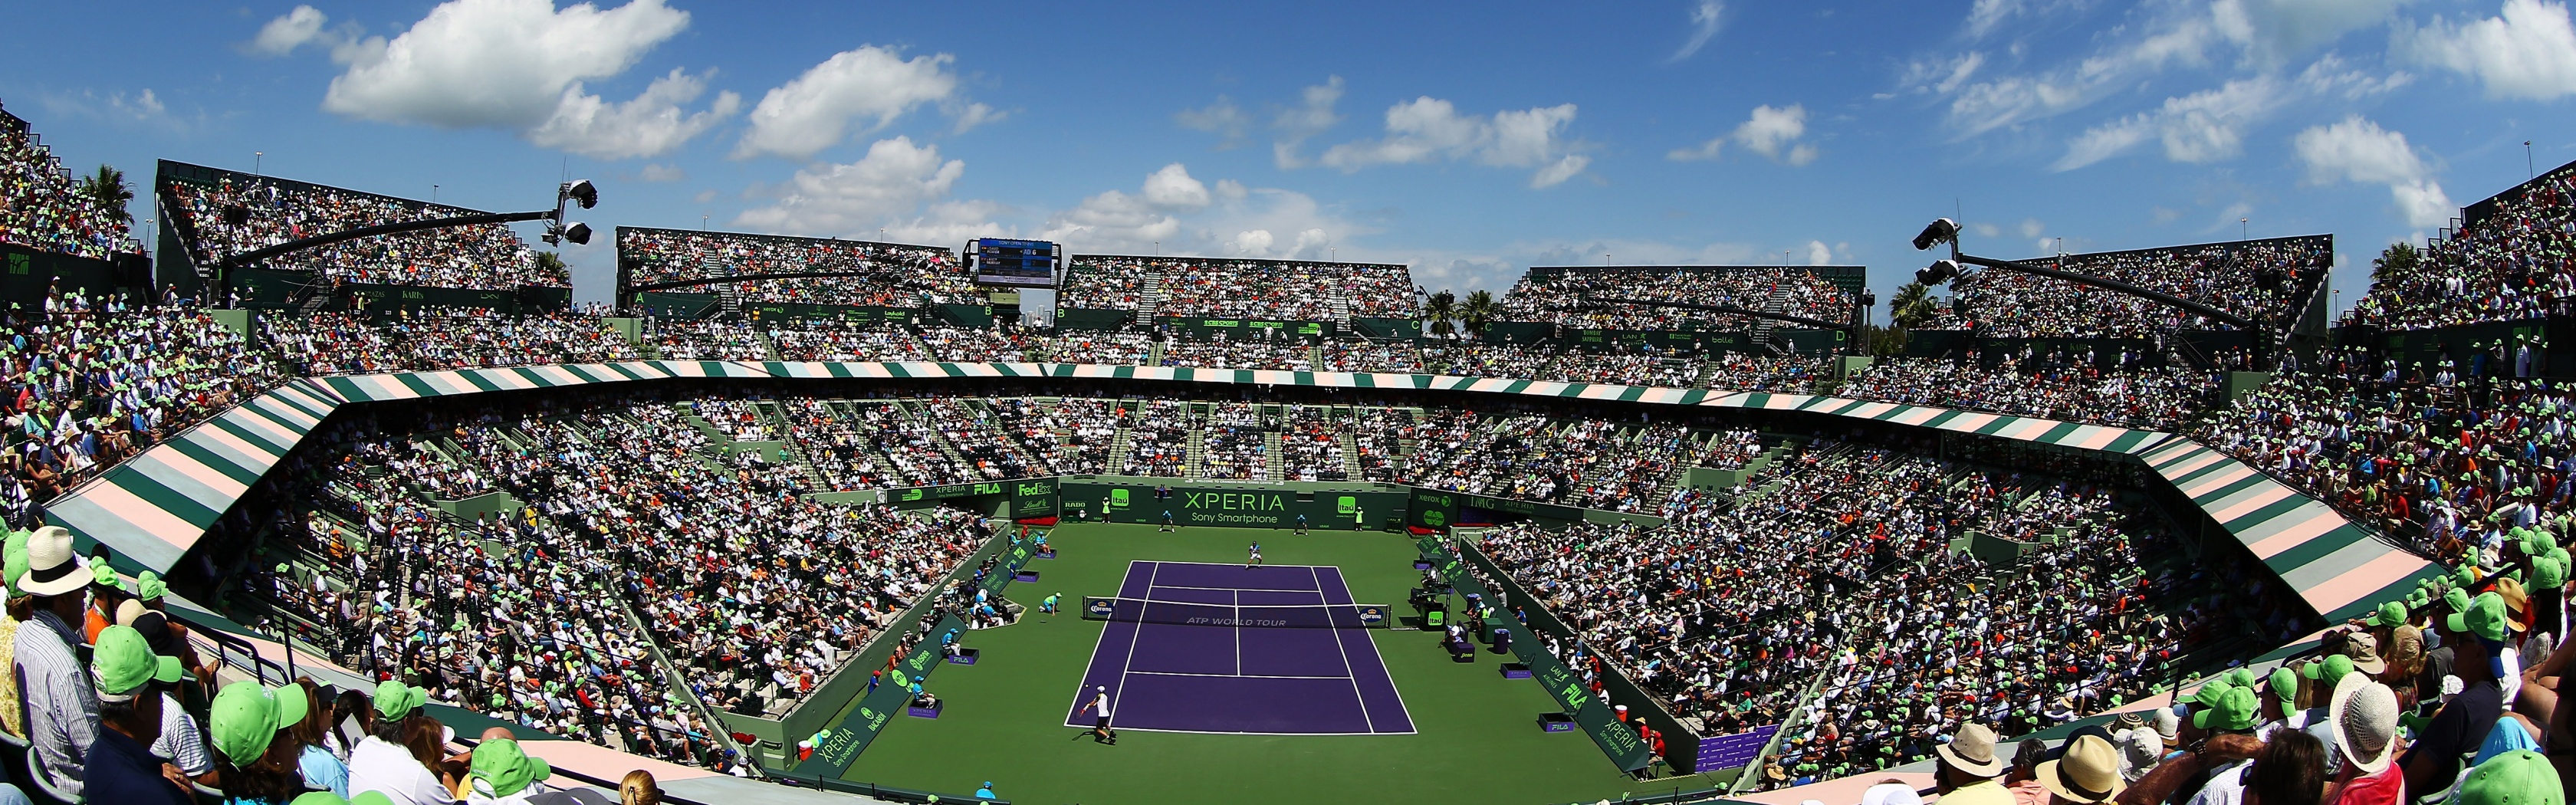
[{"x": 62, "y": 711}]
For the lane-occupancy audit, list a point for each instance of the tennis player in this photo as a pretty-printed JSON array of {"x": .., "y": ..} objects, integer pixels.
[
  {"x": 1100, "y": 731},
  {"x": 1255, "y": 560},
  {"x": 1301, "y": 523}
]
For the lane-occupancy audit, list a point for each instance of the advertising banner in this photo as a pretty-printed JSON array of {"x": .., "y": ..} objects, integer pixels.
[
  {"x": 1590, "y": 711},
  {"x": 860, "y": 728},
  {"x": 1250, "y": 507},
  {"x": 1729, "y": 751}
]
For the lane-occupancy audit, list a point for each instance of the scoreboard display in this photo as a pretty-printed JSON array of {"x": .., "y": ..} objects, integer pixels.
[{"x": 1014, "y": 263}]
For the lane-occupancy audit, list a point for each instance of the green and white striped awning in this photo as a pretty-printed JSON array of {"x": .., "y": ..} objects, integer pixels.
[
  {"x": 154, "y": 507},
  {"x": 2338, "y": 567}
]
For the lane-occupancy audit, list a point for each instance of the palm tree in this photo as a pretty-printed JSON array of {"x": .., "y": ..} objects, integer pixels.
[
  {"x": 1480, "y": 309},
  {"x": 2399, "y": 260},
  {"x": 109, "y": 191},
  {"x": 1911, "y": 306},
  {"x": 1442, "y": 307}
]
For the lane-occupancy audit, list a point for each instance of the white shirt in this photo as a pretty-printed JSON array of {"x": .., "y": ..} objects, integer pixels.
[
  {"x": 379, "y": 766},
  {"x": 2226, "y": 785},
  {"x": 180, "y": 742},
  {"x": 1100, "y": 702}
]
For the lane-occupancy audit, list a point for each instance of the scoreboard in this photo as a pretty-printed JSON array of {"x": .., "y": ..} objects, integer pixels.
[{"x": 1014, "y": 263}]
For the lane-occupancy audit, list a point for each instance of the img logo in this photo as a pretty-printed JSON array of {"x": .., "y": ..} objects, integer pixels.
[
  {"x": 1347, "y": 504},
  {"x": 1118, "y": 497}
]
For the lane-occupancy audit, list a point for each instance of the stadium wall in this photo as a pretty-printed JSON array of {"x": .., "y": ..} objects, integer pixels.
[{"x": 26, "y": 275}]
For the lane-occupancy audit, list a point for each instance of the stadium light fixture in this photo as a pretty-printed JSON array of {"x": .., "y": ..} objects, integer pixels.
[
  {"x": 1940, "y": 272},
  {"x": 577, "y": 191},
  {"x": 1940, "y": 231},
  {"x": 580, "y": 190}
]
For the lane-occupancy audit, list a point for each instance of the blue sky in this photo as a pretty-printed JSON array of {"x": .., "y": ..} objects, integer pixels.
[{"x": 1468, "y": 140}]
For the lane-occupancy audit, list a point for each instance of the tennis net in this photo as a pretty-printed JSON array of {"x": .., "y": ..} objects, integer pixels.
[{"x": 1183, "y": 613}]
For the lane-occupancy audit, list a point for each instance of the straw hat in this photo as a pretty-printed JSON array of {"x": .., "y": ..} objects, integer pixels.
[
  {"x": 2364, "y": 715},
  {"x": 53, "y": 568},
  {"x": 1972, "y": 751},
  {"x": 2088, "y": 772}
]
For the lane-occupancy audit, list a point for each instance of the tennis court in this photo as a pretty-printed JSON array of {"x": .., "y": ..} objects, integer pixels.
[{"x": 1209, "y": 648}]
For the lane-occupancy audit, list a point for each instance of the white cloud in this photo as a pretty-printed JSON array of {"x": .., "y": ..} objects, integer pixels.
[
  {"x": 657, "y": 172},
  {"x": 1819, "y": 254},
  {"x": 2358, "y": 150},
  {"x": 872, "y": 84},
  {"x": 651, "y": 124},
  {"x": 2274, "y": 30},
  {"x": 1428, "y": 129},
  {"x": 1706, "y": 17},
  {"x": 2210, "y": 125},
  {"x": 1773, "y": 133},
  {"x": 1172, "y": 187},
  {"x": 2528, "y": 53},
  {"x": 970, "y": 115},
  {"x": 1312, "y": 116},
  {"x": 896, "y": 177},
  {"x": 2031, "y": 227},
  {"x": 1222, "y": 118},
  {"x": 2177, "y": 38},
  {"x": 499, "y": 63},
  {"x": 289, "y": 31}
]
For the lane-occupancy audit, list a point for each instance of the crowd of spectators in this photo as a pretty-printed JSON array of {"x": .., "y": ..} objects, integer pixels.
[
  {"x": 1290, "y": 290},
  {"x": 235, "y": 213},
  {"x": 2265, "y": 281},
  {"x": 91, "y": 382},
  {"x": 1235, "y": 438},
  {"x": 1158, "y": 438},
  {"x": 1245, "y": 354},
  {"x": 41, "y": 207},
  {"x": 1310, "y": 446},
  {"x": 708, "y": 341},
  {"x": 1356, "y": 355},
  {"x": 1745, "y": 371},
  {"x": 880, "y": 274},
  {"x": 833, "y": 340},
  {"x": 429, "y": 340},
  {"x": 1595, "y": 463},
  {"x": 2517, "y": 261},
  {"x": 1102, "y": 347},
  {"x": 1563, "y": 296},
  {"x": 2052, "y": 385},
  {"x": 1000, "y": 344},
  {"x": 1541, "y": 362}
]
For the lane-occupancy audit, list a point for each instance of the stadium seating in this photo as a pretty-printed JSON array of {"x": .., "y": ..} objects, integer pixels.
[
  {"x": 1559, "y": 296},
  {"x": 2267, "y": 281},
  {"x": 224, "y": 213},
  {"x": 882, "y": 274},
  {"x": 40, "y": 206},
  {"x": 2508, "y": 262}
]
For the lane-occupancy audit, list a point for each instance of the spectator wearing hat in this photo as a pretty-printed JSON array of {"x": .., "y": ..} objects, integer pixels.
[
  {"x": 2519, "y": 777},
  {"x": 182, "y": 742},
  {"x": 503, "y": 774},
  {"x": 2289, "y": 689},
  {"x": 2476, "y": 634},
  {"x": 61, "y": 707},
  {"x": 2088, "y": 772},
  {"x": 1966, "y": 774},
  {"x": 383, "y": 762},
  {"x": 120, "y": 768},
  {"x": 13, "y": 563},
  {"x": 2228, "y": 712},
  {"x": 2363, "y": 714},
  {"x": 249, "y": 723}
]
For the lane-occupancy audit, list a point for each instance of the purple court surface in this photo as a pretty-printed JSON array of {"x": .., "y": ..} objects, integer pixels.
[{"x": 1241, "y": 679}]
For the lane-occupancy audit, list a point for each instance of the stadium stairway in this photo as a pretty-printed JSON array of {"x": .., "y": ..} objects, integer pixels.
[
  {"x": 1118, "y": 442},
  {"x": 1350, "y": 445},
  {"x": 1196, "y": 465},
  {"x": 1149, "y": 304},
  {"x": 1272, "y": 468}
]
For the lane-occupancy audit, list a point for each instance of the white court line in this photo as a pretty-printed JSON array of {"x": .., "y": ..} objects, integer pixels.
[
  {"x": 1236, "y": 676},
  {"x": 1236, "y": 589},
  {"x": 1238, "y": 633},
  {"x": 1232, "y": 732},
  {"x": 1358, "y": 697},
  {"x": 1078, "y": 690},
  {"x": 1131, "y": 648}
]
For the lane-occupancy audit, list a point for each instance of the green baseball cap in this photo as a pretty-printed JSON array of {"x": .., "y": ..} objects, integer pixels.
[
  {"x": 2285, "y": 686},
  {"x": 2547, "y": 573},
  {"x": 371, "y": 797},
  {"x": 500, "y": 766},
  {"x": 2389, "y": 614},
  {"x": 13, "y": 554},
  {"x": 147, "y": 586},
  {"x": 2484, "y": 617},
  {"x": 123, "y": 663},
  {"x": 2209, "y": 695},
  {"x": 2240, "y": 678},
  {"x": 246, "y": 716},
  {"x": 2328, "y": 672},
  {"x": 2455, "y": 599},
  {"x": 318, "y": 798},
  {"x": 101, "y": 573},
  {"x": 2233, "y": 710},
  {"x": 2519, "y": 777},
  {"x": 396, "y": 700}
]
